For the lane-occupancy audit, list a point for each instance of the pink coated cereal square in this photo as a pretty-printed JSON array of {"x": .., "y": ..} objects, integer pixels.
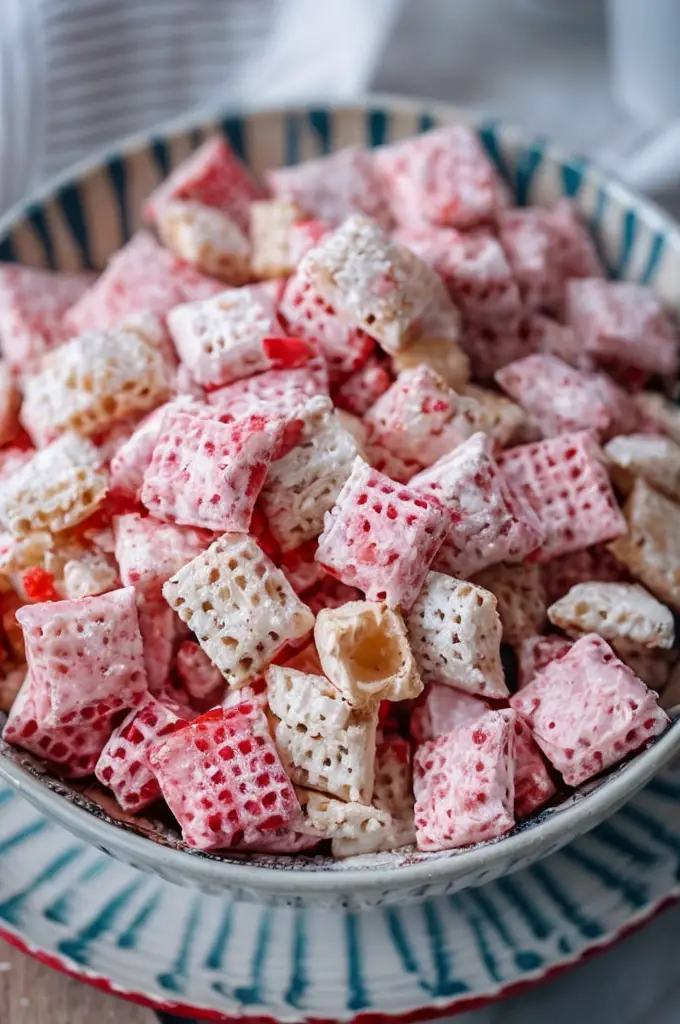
[
  {"x": 222, "y": 778},
  {"x": 208, "y": 474},
  {"x": 362, "y": 388},
  {"x": 158, "y": 626},
  {"x": 123, "y": 767},
  {"x": 332, "y": 187},
  {"x": 490, "y": 346},
  {"x": 140, "y": 276},
  {"x": 442, "y": 177},
  {"x": 72, "y": 750},
  {"x": 419, "y": 417},
  {"x": 32, "y": 307},
  {"x": 220, "y": 339},
  {"x": 474, "y": 269},
  {"x": 623, "y": 322},
  {"x": 199, "y": 677},
  {"x": 561, "y": 399},
  {"x": 566, "y": 483},
  {"x": 587, "y": 710},
  {"x": 489, "y": 521},
  {"x": 381, "y": 537},
  {"x": 149, "y": 552},
  {"x": 585, "y": 566},
  {"x": 464, "y": 784},
  {"x": 304, "y": 235},
  {"x": 212, "y": 175},
  {"x": 85, "y": 656},
  {"x": 442, "y": 709},
  {"x": 344, "y": 347},
  {"x": 274, "y": 393}
]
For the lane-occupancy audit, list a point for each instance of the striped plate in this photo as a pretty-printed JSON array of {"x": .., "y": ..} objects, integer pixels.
[{"x": 214, "y": 958}]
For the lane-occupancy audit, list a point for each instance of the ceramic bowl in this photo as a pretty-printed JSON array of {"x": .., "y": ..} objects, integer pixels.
[{"x": 78, "y": 222}]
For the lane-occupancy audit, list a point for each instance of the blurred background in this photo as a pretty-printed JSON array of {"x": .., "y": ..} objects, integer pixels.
[{"x": 599, "y": 76}]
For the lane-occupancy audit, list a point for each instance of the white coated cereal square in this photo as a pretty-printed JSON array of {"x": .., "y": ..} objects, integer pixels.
[
  {"x": 240, "y": 606},
  {"x": 58, "y": 488},
  {"x": 622, "y": 613},
  {"x": 323, "y": 741},
  {"x": 651, "y": 548},
  {"x": 372, "y": 282},
  {"x": 455, "y": 632},
  {"x": 302, "y": 486},
  {"x": 270, "y": 224},
  {"x": 652, "y": 456},
  {"x": 206, "y": 238}
]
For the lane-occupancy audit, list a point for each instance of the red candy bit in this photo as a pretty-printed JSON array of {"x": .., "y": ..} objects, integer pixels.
[
  {"x": 122, "y": 766},
  {"x": 288, "y": 353},
  {"x": 587, "y": 710},
  {"x": 38, "y": 585},
  {"x": 223, "y": 779}
]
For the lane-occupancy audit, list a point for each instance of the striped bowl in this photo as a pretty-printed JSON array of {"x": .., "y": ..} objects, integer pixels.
[{"x": 78, "y": 222}]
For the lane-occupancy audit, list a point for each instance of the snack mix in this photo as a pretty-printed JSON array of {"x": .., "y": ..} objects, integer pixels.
[{"x": 334, "y": 515}]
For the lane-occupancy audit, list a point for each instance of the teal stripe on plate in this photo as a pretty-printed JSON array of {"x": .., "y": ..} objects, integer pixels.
[
  {"x": 234, "y": 129},
  {"x": 161, "y": 155},
  {"x": 620, "y": 842},
  {"x": 12, "y": 909},
  {"x": 253, "y": 994},
  {"x": 587, "y": 926},
  {"x": 476, "y": 922},
  {"x": 400, "y": 941},
  {"x": 320, "y": 120},
  {"x": 656, "y": 250},
  {"x": 70, "y": 203},
  {"x": 299, "y": 979},
  {"x": 488, "y": 135},
  {"x": 445, "y": 983},
  {"x": 426, "y": 123},
  {"x": 214, "y": 961},
  {"x": 36, "y": 217},
  {"x": 175, "y": 979},
  {"x": 61, "y": 909},
  {"x": 357, "y": 997},
  {"x": 653, "y": 827},
  {"x": 18, "y": 838},
  {"x": 129, "y": 938},
  {"x": 528, "y": 162},
  {"x": 525, "y": 959},
  {"x": 117, "y": 172},
  {"x": 291, "y": 142},
  {"x": 536, "y": 921},
  {"x": 377, "y": 128},
  {"x": 629, "y": 224},
  {"x": 78, "y": 947},
  {"x": 633, "y": 894},
  {"x": 572, "y": 175}
]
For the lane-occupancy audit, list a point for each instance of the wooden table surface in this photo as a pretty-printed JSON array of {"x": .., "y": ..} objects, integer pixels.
[{"x": 33, "y": 994}]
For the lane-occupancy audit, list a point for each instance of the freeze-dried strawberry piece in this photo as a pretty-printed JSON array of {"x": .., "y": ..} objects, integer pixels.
[
  {"x": 128, "y": 465},
  {"x": 561, "y": 399},
  {"x": 93, "y": 381},
  {"x": 206, "y": 238},
  {"x": 140, "y": 276},
  {"x": 331, "y": 593},
  {"x": 209, "y": 474},
  {"x": 287, "y": 353},
  {"x": 324, "y": 742},
  {"x": 38, "y": 585},
  {"x": 240, "y": 606},
  {"x": 344, "y": 347},
  {"x": 271, "y": 223},
  {"x": 587, "y": 710},
  {"x": 300, "y": 567},
  {"x": 520, "y": 593},
  {"x": 123, "y": 767},
  {"x": 488, "y": 521},
  {"x": 56, "y": 489},
  {"x": 212, "y": 175},
  {"x": 420, "y": 417},
  {"x": 385, "y": 461},
  {"x": 32, "y": 307},
  {"x": 623, "y": 322},
  {"x": 381, "y": 537},
  {"x": 220, "y": 339},
  {"x": 455, "y": 633},
  {"x": 222, "y": 778},
  {"x": 149, "y": 553},
  {"x": 585, "y": 566},
  {"x": 442, "y": 177},
  {"x": 72, "y": 750},
  {"x": 364, "y": 651},
  {"x": 656, "y": 458},
  {"x": 651, "y": 548},
  {"x": 332, "y": 187},
  {"x": 303, "y": 485},
  {"x": 474, "y": 269},
  {"x": 200, "y": 678},
  {"x": 363, "y": 387},
  {"x": 566, "y": 483},
  {"x": 304, "y": 235},
  {"x": 464, "y": 784},
  {"x": 85, "y": 657},
  {"x": 276, "y": 393},
  {"x": 372, "y": 283},
  {"x": 535, "y": 652},
  {"x": 622, "y": 613}
]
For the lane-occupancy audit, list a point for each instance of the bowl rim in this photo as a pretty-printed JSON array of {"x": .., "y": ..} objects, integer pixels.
[{"x": 257, "y": 875}]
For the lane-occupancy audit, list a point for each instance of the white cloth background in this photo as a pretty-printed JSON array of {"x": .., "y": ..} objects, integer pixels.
[{"x": 77, "y": 75}]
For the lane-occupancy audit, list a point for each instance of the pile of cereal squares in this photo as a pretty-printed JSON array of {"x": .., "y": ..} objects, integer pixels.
[{"x": 341, "y": 511}]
